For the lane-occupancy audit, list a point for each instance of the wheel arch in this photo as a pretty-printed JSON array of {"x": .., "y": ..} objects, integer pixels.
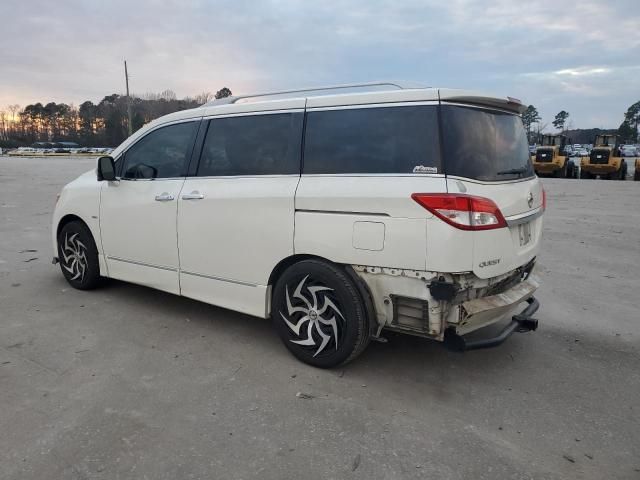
[
  {"x": 285, "y": 263},
  {"x": 70, "y": 217}
]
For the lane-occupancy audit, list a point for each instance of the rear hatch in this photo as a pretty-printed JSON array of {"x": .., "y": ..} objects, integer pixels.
[
  {"x": 485, "y": 154},
  {"x": 599, "y": 156},
  {"x": 544, "y": 155}
]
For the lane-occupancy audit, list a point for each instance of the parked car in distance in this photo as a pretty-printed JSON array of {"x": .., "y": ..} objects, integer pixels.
[
  {"x": 373, "y": 231},
  {"x": 628, "y": 151}
]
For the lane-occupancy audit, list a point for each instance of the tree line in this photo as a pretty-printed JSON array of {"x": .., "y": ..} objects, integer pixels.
[
  {"x": 104, "y": 124},
  {"x": 628, "y": 130}
]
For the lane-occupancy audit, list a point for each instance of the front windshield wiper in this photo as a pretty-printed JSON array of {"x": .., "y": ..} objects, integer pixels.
[{"x": 513, "y": 171}]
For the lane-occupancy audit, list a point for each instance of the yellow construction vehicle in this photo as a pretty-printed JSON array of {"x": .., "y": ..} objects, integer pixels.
[
  {"x": 605, "y": 160},
  {"x": 552, "y": 157},
  {"x": 636, "y": 174}
]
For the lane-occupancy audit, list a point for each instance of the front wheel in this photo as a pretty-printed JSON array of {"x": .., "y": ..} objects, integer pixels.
[
  {"x": 78, "y": 256},
  {"x": 570, "y": 170},
  {"x": 319, "y": 314}
]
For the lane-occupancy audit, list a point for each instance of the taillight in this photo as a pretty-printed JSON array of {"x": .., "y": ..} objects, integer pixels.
[
  {"x": 465, "y": 212},
  {"x": 544, "y": 200}
]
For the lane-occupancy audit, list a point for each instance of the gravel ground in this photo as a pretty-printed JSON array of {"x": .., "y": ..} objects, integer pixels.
[{"x": 127, "y": 382}]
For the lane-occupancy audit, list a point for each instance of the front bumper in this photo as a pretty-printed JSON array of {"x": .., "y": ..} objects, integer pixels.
[
  {"x": 599, "y": 168},
  {"x": 546, "y": 167},
  {"x": 522, "y": 322}
]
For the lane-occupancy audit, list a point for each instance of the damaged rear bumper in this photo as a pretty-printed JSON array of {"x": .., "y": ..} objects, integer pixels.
[
  {"x": 522, "y": 322},
  {"x": 417, "y": 303}
]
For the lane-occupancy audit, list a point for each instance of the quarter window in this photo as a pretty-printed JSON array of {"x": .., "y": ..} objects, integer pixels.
[
  {"x": 373, "y": 140},
  {"x": 162, "y": 153},
  {"x": 267, "y": 144}
]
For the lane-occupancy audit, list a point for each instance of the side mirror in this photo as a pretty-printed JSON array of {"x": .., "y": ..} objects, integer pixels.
[{"x": 106, "y": 169}]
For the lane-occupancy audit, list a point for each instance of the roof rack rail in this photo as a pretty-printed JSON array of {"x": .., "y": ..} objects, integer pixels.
[{"x": 234, "y": 99}]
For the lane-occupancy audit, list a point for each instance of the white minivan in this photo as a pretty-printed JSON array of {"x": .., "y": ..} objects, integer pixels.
[{"x": 338, "y": 213}]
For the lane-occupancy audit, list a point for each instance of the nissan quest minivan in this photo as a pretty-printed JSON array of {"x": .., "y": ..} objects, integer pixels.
[{"x": 338, "y": 213}]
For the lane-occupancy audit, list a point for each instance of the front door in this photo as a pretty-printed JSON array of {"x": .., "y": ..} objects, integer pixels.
[{"x": 138, "y": 212}]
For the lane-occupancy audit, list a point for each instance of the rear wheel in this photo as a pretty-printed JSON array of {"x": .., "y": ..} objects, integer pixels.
[
  {"x": 319, "y": 314},
  {"x": 636, "y": 175},
  {"x": 78, "y": 256},
  {"x": 585, "y": 175},
  {"x": 623, "y": 170}
]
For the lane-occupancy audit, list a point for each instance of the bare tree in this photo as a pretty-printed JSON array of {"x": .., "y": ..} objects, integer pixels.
[
  {"x": 203, "y": 98},
  {"x": 13, "y": 109}
]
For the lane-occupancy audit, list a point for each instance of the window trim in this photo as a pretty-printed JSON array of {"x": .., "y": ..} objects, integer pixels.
[
  {"x": 122, "y": 158},
  {"x": 197, "y": 157}
]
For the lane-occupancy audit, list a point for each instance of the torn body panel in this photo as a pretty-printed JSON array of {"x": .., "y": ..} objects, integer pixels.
[{"x": 406, "y": 300}]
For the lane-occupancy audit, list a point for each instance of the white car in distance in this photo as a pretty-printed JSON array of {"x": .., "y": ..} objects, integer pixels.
[{"x": 339, "y": 213}]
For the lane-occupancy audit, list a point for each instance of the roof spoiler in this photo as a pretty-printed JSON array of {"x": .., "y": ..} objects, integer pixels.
[{"x": 462, "y": 96}]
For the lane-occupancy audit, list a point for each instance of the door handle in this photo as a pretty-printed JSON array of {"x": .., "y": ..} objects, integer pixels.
[
  {"x": 164, "y": 197},
  {"x": 195, "y": 195}
]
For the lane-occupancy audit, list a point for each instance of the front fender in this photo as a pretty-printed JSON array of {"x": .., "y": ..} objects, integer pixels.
[{"x": 81, "y": 199}]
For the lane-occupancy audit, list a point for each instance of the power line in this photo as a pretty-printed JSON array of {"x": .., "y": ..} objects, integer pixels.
[{"x": 126, "y": 79}]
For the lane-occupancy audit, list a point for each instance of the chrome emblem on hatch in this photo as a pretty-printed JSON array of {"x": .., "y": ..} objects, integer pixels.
[{"x": 530, "y": 199}]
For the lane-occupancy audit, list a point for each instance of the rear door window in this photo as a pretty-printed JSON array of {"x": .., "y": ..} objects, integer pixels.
[
  {"x": 372, "y": 140},
  {"x": 267, "y": 144},
  {"x": 484, "y": 144}
]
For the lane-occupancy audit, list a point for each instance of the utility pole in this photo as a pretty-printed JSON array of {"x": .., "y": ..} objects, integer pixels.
[{"x": 126, "y": 79}]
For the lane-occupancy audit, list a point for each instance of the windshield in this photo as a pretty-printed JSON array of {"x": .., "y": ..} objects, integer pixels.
[{"x": 484, "y": 144}]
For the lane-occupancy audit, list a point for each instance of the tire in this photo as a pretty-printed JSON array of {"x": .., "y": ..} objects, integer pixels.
[
  {"x": 623, "y": 170},
  {"x": 570, "y": 170},
  {"x": 636, "y": 176},
  {"x": 78, "y": 256},
  {"x": 585, "y": 175},
  {"x": 561, "y": 172},
  {"x": 339, "y": 331}
]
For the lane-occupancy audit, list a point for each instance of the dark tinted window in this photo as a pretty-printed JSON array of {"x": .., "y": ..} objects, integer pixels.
[
  {"x": 372, "y": 140},
  {"x": 484, "y": 144},
  {"x": 252, "y": 145},
  {"x": 160, "y": 154}
]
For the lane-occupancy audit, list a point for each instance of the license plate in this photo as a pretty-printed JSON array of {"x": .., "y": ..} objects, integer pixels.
[{"x": 524, "y": 231}]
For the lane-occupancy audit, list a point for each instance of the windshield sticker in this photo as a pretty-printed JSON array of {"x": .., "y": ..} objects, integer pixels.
[{"x": 423, "y": 169}]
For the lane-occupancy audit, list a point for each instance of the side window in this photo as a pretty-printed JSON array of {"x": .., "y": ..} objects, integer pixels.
[
  {"x": 266, "y": 144},
  {"x": 373, "y": 140},
  {"x": 162, "y": 153}
]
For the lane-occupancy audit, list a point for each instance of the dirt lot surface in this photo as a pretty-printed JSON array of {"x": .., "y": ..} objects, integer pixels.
[{"x": 126, "y": 382}]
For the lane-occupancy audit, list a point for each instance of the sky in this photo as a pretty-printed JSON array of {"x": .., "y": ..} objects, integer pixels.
[{"x": 579, "y": 56}]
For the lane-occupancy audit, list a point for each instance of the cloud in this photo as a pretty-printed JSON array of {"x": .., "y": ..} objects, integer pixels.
[{"x": 550, "y": 53}]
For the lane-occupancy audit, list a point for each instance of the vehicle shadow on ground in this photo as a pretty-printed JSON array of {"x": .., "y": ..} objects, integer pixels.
[{"x": 400, "y": 354}]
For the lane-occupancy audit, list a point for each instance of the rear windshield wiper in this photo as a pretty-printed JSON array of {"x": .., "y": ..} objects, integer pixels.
[{"x": 513, "y": 171}]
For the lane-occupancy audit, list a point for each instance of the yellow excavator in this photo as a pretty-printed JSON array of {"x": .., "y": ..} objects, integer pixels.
[
  {"x": 605, "y": 160},
  {"x": 552, "y": 157}
]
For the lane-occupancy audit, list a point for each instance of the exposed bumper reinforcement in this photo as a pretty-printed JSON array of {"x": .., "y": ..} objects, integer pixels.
[{"x": 522, "y": 322}]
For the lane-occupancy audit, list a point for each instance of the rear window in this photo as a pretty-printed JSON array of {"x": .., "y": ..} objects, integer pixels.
[
  {"x": 372, "y": 140},
  {"x": 484, "y": 144}
]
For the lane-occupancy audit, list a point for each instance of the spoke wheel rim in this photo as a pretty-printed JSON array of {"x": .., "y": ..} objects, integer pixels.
[
  {"x": 313, "y": 316},
  {"x": 74, "y": 257}
]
